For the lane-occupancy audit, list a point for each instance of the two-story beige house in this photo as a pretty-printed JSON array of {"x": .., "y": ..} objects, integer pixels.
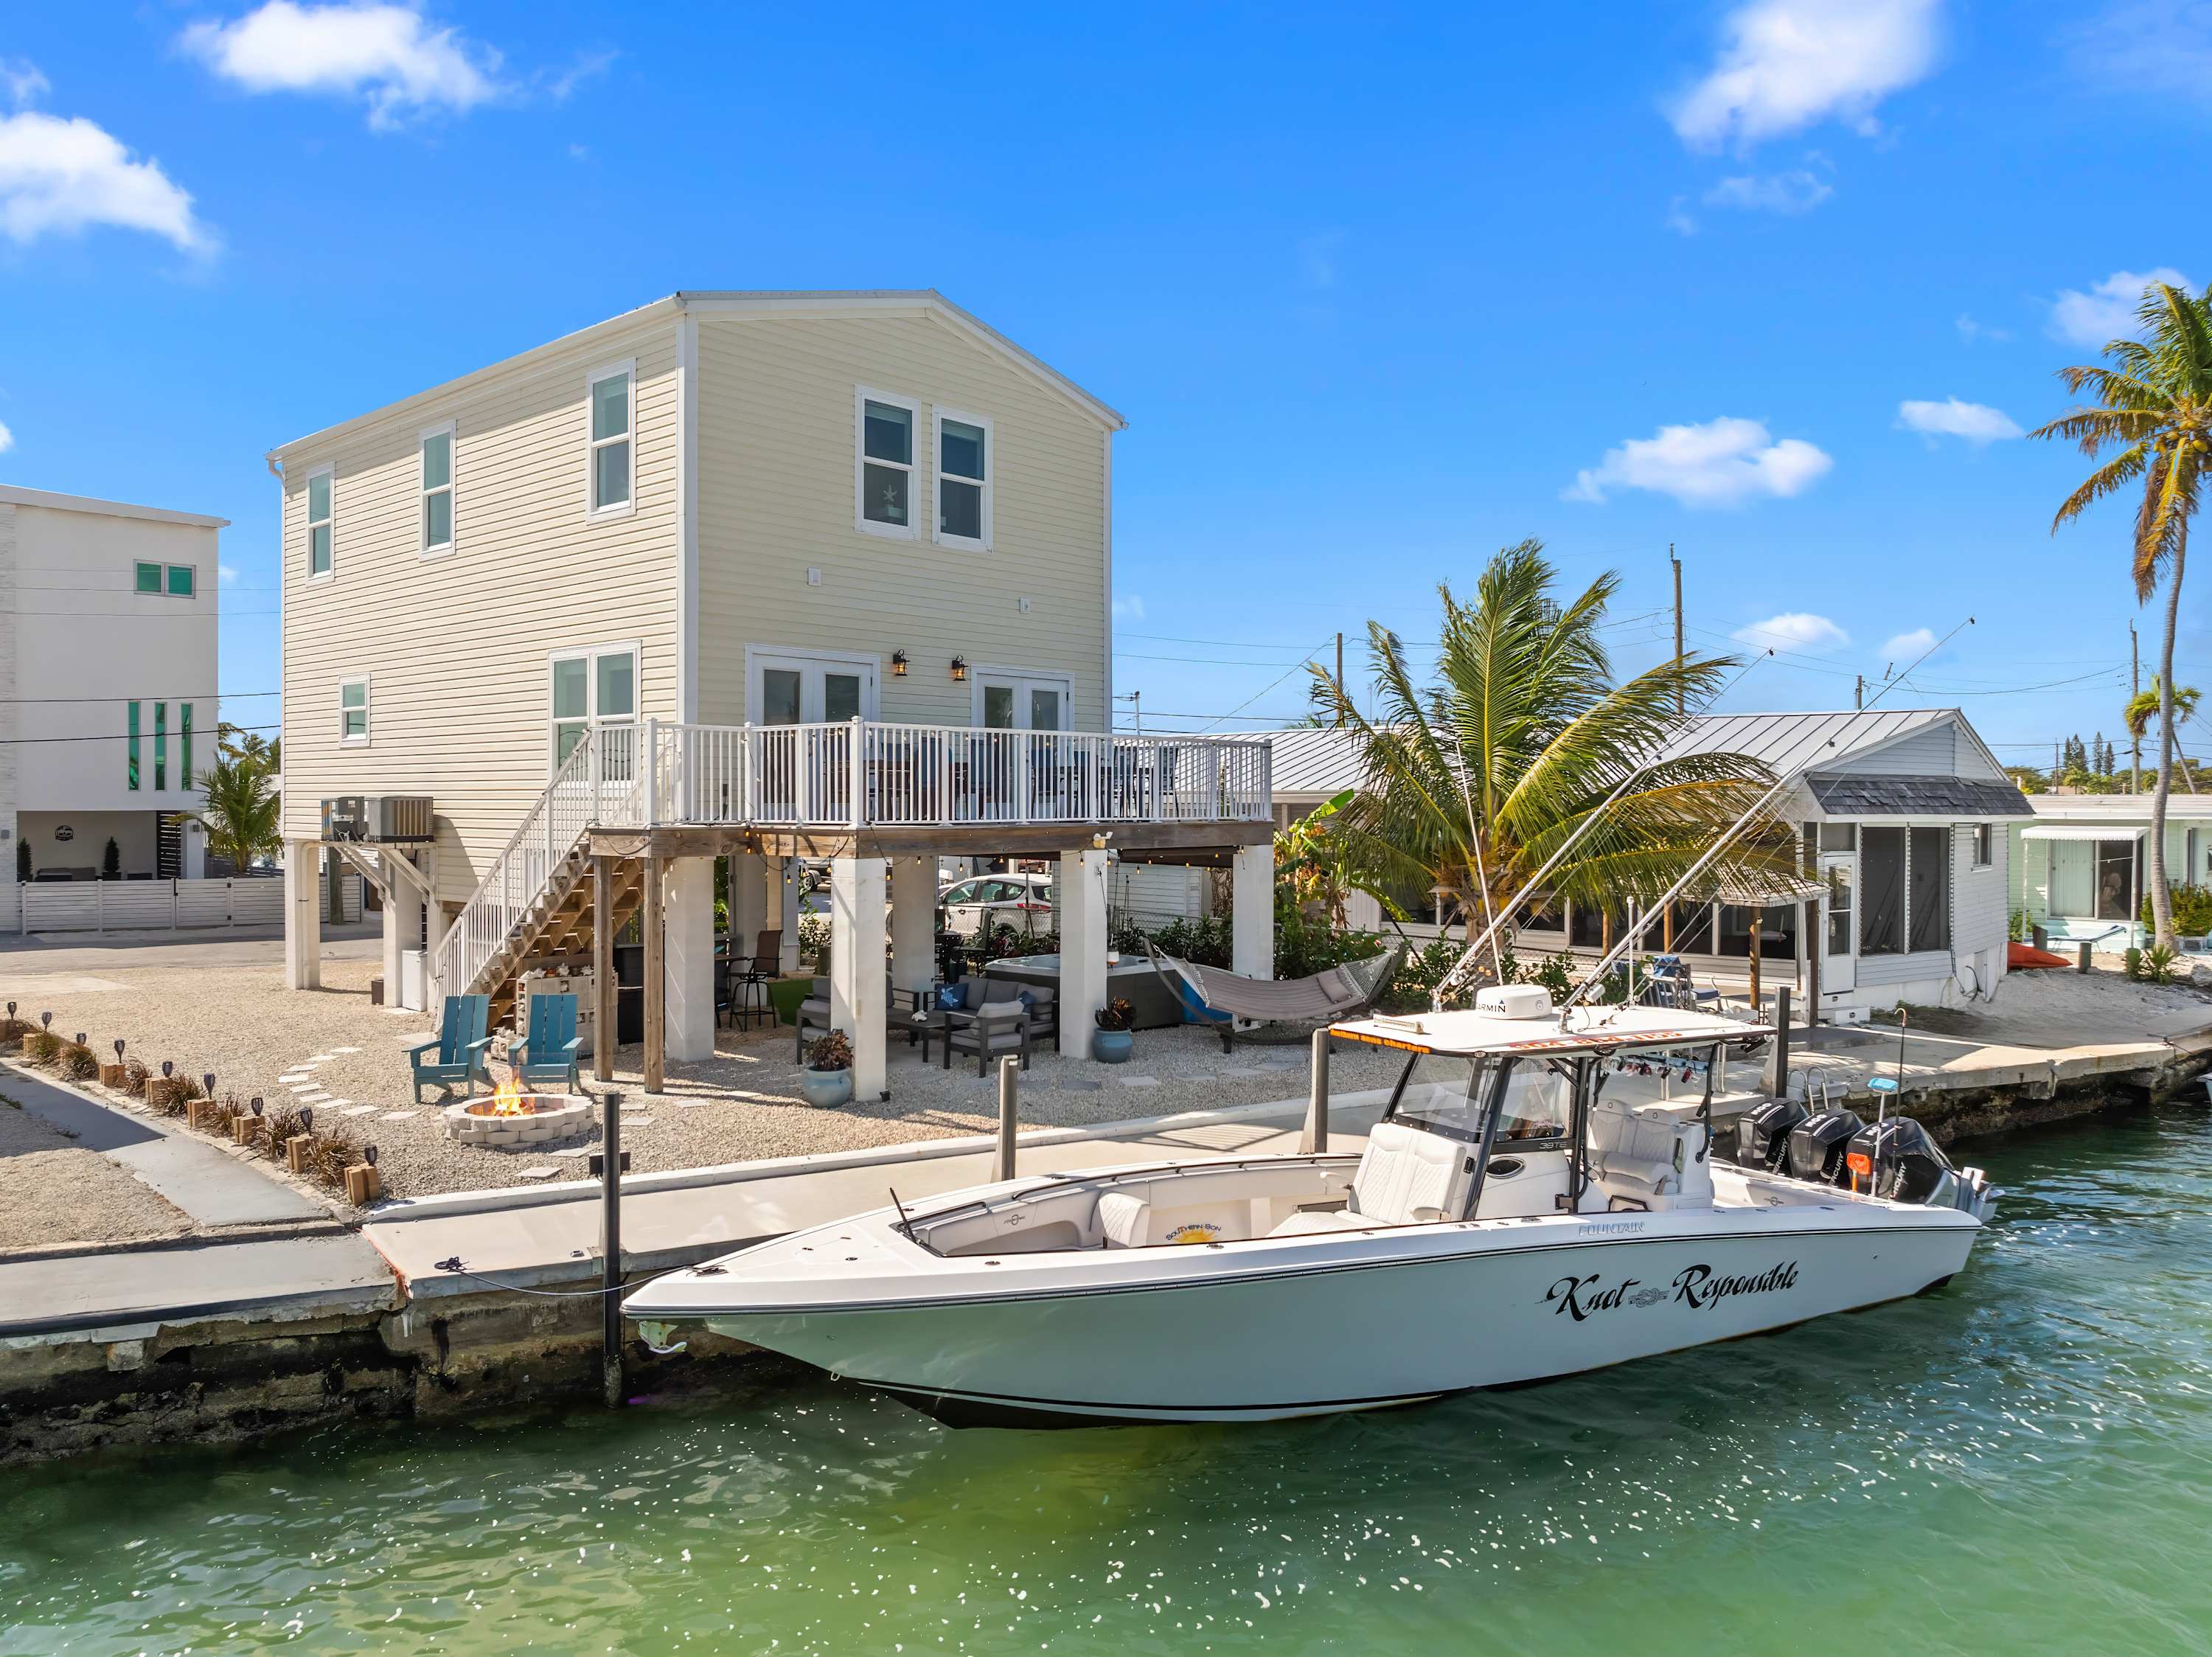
[{"x": 757, "y": 574}]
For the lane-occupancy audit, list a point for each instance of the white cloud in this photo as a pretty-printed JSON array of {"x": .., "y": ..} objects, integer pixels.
[
  {"x": 1723, "y": 462},
  {"x": 1908, "y": 648},
  {"x": 23, "y": 80},
  {"x": 1793, "y": 630},
  {"x": 1970, "y": 330},
  {"x": 1977, "y": 423},
  {"x": 1788, "y": 63},
  {"x": 7, "y": 440},
  {"x": 226, "y": 572},
  {"x": 390, "y": 55},
  {"x": 1129, "y": 609},
  {"x": 1795, "y": 192},
  {"x": 1679, "y": 220},
  {"x": 65, "y": 176},
  {"x": 2136, "y": 47},
  {"x": 2107, "y": 311}
]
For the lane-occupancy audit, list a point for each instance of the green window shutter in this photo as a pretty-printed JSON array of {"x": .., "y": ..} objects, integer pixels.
[
  {"x": 184, "y": 732},
  {"x": 133, "y": 772},
  {"x": 160, "y": 747}
]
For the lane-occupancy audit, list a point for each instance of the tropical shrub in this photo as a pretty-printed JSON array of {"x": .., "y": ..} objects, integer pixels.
[
  {"x": 1115, "y": 1015},
  {"x": 831, "y": 1052},
  {"x": 2159, "y": 964},
  {"x": 79, "y": 1063},
  {"x": 2018, "y": 928},
  {"x": 2192, "y": 911}
]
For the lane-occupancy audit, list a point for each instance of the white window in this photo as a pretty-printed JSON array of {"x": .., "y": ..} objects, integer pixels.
[
  {"x": 964, "y": 464},
  {"x": 353, "y": 710},
  {"x": 319, "y": 522},
  {"x": 1984, "y": 846},
  {"x": 882, "y": 463},
  {"x": 438, "y": 490},
  {"x": 592, "y": 687},
  {"x": 613, "y": 394}
]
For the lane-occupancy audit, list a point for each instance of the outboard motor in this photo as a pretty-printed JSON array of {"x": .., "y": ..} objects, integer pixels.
[
  {"x": 1762, "y": 1135},
  {"x": 1898, "y": 1159},
  {"x": 1818, "y": 1147}
]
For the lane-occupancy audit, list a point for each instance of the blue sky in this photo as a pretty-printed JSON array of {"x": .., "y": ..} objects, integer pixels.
[{"x": 1379, "y": 290}]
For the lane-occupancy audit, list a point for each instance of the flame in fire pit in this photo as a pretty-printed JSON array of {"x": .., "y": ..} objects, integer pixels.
[{"x": 506, "y": 1101}]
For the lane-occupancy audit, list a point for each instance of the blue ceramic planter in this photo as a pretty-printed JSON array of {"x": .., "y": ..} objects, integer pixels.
[
  {"x": 1112, "y": 1046},
  {"x": 824, "y": 1089}
]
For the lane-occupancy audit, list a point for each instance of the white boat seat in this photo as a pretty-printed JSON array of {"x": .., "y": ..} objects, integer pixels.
[
  {"x": 1634, "y": 1151},
  {"x": 1125, "y": 1220},
  {"x": 1408, "y": 1178},
  {"x": 1308, "y": 1221}
]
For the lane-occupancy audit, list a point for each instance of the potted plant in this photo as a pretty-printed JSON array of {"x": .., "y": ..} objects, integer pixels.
[
  {"x": 1111, "y": 1043},
  {"x": 828, "y": 1078}
]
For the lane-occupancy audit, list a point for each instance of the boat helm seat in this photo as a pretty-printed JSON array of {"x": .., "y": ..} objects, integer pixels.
[
  {"x": 1405, "y": 1178},
  {"x": 1635, "y": 1152}
]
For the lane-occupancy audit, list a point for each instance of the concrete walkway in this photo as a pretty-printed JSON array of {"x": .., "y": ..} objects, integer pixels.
[
  {"x": 130, "y": 1292},
  {"x": 212, "y": 1187}
]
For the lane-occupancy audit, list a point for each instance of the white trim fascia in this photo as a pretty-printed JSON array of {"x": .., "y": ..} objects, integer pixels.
[
  {"x": 52, "y": 501},
  {"x": 862, "y": 396},
  {"x": 1106, "y": 600},
  {"x": 979, "y": 671},
  {"x": 628, "y": 506},
  {"x": 908, "y": 302},
  {"x": 938, "y": 414},
  {"x": 367, "y": 738},
  {"x": 872, "y": 684},
  {"x": 450, "y": 432},
  {"x": 308, "y": 519},
  {"x": 687, "y": 517}
]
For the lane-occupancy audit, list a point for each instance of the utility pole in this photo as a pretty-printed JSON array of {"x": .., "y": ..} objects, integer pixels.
[
  {"x": 1858, "y": 691},
  {"x": 1677, "y": 563},
  {"x": 1339, "y": 677},
  {"x": 2135, "y": 690},
  {"x": 1136, "y": 701}
]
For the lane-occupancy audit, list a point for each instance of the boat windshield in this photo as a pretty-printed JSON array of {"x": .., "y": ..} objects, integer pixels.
[{"x": 1446, "y": 1094}]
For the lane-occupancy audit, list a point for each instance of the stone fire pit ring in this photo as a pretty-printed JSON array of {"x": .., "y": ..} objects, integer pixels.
[{"x": 543, "y": 1119}]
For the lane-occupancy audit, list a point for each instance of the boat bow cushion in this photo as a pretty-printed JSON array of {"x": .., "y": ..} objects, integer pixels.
[{"x": 1407, "y": 1177}]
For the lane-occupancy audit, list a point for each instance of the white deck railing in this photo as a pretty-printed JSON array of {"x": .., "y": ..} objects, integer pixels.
[{"x": 853, "y": 775}]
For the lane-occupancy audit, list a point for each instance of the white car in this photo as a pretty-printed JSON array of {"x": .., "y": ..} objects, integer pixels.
[{"x": 1022, "y": 902}]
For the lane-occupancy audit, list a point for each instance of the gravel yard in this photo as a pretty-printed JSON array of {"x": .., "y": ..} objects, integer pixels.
[
  {"x": 332, "y": 1050},
  {"x": 50, "y": 1188}
]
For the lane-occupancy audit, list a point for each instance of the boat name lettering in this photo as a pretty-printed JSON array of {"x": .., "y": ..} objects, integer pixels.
[
  {"x": 1608, "y": 1227},
  {"x": 1581, "y": 1297}
]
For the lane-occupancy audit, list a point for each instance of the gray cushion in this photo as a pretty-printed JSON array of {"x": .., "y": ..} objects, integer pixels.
[{"x": 975, "y": 991}]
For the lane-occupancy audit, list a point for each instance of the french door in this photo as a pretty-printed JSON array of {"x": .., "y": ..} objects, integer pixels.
[
  {"x": 1031, "y": 774},
  {"x": 807, "y": 775},
  {"x": 1009, "y": 702}
]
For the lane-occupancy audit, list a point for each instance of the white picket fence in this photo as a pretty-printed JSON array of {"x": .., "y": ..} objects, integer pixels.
[{"x": 144, "y": 905}]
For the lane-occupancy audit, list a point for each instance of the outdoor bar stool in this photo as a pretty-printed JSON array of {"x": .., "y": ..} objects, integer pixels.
[{"x": 750, "y": 1000}]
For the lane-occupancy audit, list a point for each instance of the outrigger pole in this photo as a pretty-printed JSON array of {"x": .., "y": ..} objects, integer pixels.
[{"x": 1635, "y": 928}]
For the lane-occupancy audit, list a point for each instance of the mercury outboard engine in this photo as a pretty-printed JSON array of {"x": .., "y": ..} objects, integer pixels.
[
  {"x": 1818, "y": 1147},
  {"x": 1898, "y": 1160},
  {"x": 1762, "y": 1135}
]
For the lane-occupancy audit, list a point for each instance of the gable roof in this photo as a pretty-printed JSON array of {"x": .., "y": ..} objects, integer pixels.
[
  {"x": 1325, "y": 762},
  {"x": 799, "y": 302}
]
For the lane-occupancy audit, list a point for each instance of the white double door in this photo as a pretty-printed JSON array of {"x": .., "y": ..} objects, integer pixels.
[
  {"x": 802, "y": 689},
  {"x": 1014, "y": 701}
]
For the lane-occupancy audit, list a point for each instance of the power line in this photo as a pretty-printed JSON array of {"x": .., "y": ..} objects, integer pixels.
[
  {"x": 25, "y": 742},
  {"x": 187, "y": 696}
]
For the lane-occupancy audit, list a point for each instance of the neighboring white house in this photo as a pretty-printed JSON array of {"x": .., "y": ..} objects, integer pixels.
[
  {"x": 766, "y": 576},
  {"x": 107, "y": 685},
  {"x": 2080, "y": 867},
  {"x": 1904, "y": 815}
]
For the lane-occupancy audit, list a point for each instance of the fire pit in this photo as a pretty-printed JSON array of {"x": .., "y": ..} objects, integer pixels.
[{"x": 512, "y": 1119}]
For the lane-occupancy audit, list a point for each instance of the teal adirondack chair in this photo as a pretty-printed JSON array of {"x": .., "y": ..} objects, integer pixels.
[
  {"x": 458, "y": 1047},
  {"x": 548, "y": 1053}
]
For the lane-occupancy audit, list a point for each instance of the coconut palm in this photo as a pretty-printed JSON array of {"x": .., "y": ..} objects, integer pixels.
[
  {"x": 2154, "y": 406},
  {"x": 1472, "y": 780},
  {"x": 2146, "y": 705},
  {"x": 240, "y": 816}
]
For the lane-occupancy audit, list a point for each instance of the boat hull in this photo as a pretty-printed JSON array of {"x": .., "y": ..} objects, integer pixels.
[{"x": 1353, "y": 1332}]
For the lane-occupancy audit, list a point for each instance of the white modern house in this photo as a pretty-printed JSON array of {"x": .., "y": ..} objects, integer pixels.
[
  {"x": 1904, "y": 815},
  {"x": 760, "y": 576},
  {"x": 2080, "y": 864},
  {"x": 107, "y": 687}
]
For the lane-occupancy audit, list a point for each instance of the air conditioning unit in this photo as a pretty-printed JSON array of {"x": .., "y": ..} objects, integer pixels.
[{"x": 380, "y": 818}]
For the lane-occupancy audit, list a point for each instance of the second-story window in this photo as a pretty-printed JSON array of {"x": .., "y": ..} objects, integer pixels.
[
  {"x": 319, "y": 522},
  {"x": 613, "y": 415},
  {"x": 438, "y": 490},
  {"x": 149, "y": 578},
  {"x": 963, "y": 479},
  {"x": 353, "y": 710},
  {"x": 177, "y": 580},
  {"x": 594, "y": 688},
  {"x": 180, "y": 581},
  {"x": 883, "y": 467}
]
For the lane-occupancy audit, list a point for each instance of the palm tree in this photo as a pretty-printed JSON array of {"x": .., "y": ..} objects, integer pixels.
[
  {"x": 242, "y": 813},
  {"x": 2154, "y": 405},
  {"x": 2147, "y": 705},
  {"x": 1471, "y": 782}
]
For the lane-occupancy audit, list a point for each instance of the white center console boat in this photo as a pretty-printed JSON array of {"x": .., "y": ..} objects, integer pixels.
[{"x": 1539, "y": 1198}]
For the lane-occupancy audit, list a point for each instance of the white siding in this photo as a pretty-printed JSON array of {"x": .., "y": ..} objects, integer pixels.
[
  {"x": 456, "y": 648},
  {"x": 776, "y": 443}
]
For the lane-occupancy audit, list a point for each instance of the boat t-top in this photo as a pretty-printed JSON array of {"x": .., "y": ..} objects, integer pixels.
[{"x": 1540, "y": 1197}]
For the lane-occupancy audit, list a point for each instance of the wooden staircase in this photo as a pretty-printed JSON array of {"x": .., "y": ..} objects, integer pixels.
[{"x": 559, "y": 924}]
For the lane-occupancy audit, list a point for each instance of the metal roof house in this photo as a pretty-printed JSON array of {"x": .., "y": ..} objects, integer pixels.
[{"x": 1903, "y": 812}]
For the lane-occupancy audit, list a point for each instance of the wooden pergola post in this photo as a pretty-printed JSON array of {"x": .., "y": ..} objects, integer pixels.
[
  {"x": 603, "y": 992},
  {"x": 656, "y": 969}
]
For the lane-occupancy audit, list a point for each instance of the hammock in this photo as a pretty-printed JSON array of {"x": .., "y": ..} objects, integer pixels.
[{"x": 1211, "y": 996}]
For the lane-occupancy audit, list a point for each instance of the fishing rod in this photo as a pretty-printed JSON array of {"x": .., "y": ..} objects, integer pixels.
[
  {"x": 1636, "y": 927},
  {"x": 1470, "y": 960}
]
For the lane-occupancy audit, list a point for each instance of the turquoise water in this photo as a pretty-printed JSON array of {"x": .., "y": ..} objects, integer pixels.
[{"x": 2021, "y": 1463}]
